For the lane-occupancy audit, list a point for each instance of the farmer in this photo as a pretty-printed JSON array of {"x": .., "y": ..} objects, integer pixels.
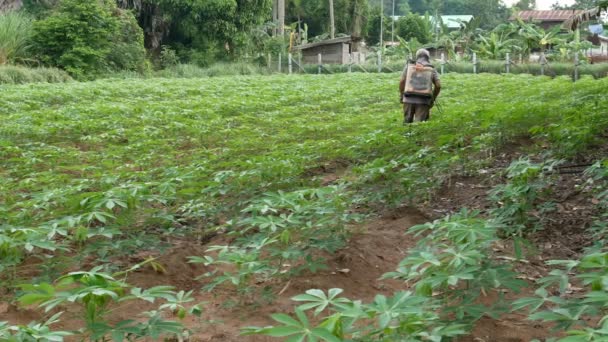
[{"x": 419, "y": 87}]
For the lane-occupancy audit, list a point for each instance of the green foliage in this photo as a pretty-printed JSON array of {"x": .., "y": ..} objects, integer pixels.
[
  {"x": 525, "y": 5},
  {"x": 127, "y": 47},
  {"x": 111, "y": 167},
  {"x": 95, "y": 291},
  {"x": 201, "y": 31},
  {"x": 39, "y": 8},
  {"x": 403, "y": 317},
  {"x": 598, "y": 180},
  {"x": 216, "y": 70},
  {"x": 495, "y": 46},
  {"x": 373, "y": 27},
  {"x": 571, "y": 314},
  {"x": 581, "y": 317},
  {"x": 280, "y": 234},
  {"x": 168, "y": 57},
  {"x": 15, "y": 31},
  {"x": 413, "y": 26},
  {"x": 33, "y": 332},
  {"x": 452, "y": 260},
  {"x": 10, "y": 74},
  {"x": 351, "y": 16},
  {"x": 490, "y": 12},
  {"x": 100, "y": 38},
  {"x": 449, "y": 270},
  {"x": 519, "y": 198}
]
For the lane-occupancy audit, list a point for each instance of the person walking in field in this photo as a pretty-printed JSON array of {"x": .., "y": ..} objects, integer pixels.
[{"x": 419, "y": 88}]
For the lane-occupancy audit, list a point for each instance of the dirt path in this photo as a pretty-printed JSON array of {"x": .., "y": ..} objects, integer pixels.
[{"x": 376, "y": 248}]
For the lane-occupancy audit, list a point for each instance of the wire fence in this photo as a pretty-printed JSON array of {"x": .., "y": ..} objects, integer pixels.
[{"x": 295, "y": 64}]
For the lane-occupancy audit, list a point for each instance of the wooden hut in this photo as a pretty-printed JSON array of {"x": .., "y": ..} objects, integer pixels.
[
  {"x": 333, "y": 51},
  {"x": 545, "y": 19}
]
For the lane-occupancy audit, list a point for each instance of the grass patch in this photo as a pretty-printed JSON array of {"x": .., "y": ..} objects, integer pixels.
[{"x": 12, "y": 74}]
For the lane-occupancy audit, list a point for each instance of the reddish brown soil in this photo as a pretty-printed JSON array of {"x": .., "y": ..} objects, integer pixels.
[
  {"x": 564, "y": 236},
  {"x": 375, "y": 248}
]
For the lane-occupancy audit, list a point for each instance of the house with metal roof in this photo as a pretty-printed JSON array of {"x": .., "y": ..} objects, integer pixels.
[
  {"x": 545, "y": 19},
  {"x": 332, "y": 51},
  {"x": 453, "y": 22}
]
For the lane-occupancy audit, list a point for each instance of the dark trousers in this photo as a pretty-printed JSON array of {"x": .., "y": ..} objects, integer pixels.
[{"x": 416, "y": 112}]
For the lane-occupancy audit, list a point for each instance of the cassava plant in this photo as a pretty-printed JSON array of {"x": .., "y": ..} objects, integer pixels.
[{"x": 99, "y": 294}]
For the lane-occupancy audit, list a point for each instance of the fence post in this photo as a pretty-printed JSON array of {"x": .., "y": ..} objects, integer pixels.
[
  {"x": 508, "y": 63},
  {"x": 350, "y": 62},
  {"x": 269, "y": 60},
  {"x": 474, "y": 62},
  {"x": 280, "y": 62},
  {"x": 379, "y": 61},
  {"x": 576, "y": 63},
  {"x": 320, "y": 64},
  {"x": 543, "y": 62},
  {"x": 442, "y": 63},
  {"x": 289, "y": 64}
]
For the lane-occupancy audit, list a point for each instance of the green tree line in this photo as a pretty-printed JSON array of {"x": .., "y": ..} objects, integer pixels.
[{"x": 92, "y": 37}]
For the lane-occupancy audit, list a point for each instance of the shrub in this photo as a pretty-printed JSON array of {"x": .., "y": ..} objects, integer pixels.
[
  {"x": 100, "y": 38},
  {"x": 128, "y": 52},
  {"x": 15, "y": 29},
  {"x": 168, "y": 57}
]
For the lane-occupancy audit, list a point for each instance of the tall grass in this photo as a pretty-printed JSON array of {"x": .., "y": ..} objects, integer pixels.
[
  {"x": 218, "y": 69},
  {"x": 11, "y": 74},
  {"x": 15, "y": 30}
]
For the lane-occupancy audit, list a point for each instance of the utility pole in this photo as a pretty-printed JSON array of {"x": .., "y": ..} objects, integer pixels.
[
  {"x": 275, "y": 17},
  {"x": 332, "y": 29},
  {"x": 393, "y": 24},
  {"x": 381, "y": 24},
  {"x": 281, "y": 10}
]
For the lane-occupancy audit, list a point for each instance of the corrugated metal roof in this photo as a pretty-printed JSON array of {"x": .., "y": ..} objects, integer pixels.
[
  {"x": 453, "y": 21},
  {"x": 338, "y": 40},
  {"x": 556, "y": 15}
]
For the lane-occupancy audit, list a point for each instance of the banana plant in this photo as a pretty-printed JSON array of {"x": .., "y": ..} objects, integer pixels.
[{"x": 495, "y": 46}]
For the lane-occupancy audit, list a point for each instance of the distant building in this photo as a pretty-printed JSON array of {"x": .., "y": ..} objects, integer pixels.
[
  {"x": 545, "y": 19},
  {"x": 333, "y": 51},
  {"x": 599, "y": 54},
  {"x": 454, "y": 22}
]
